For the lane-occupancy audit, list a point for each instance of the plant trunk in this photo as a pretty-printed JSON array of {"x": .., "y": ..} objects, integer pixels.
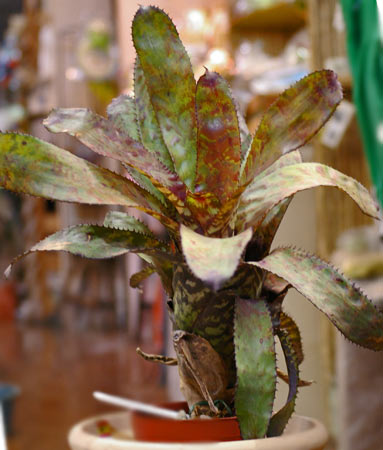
[{"x": 203, "y": 336}]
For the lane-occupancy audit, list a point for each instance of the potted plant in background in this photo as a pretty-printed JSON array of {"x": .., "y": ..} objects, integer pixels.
[{"x": 221, "y": 195}]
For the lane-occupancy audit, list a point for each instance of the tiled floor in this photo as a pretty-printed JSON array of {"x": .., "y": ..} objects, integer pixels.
[{"x": 57, "y": 372}]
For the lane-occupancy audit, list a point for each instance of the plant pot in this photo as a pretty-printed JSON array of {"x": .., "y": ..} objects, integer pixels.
[
  {"x": 149, "y": 428},
  {"x": 302, "y": 433},
  {"x": 7, "y": 301},
  {"x": 8, "y": 393}
]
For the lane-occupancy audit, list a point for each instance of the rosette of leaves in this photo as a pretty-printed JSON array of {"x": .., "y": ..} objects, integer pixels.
[{"x": 221, "y": 194}]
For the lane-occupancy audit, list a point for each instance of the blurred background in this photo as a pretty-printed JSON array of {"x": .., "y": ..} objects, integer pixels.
[{"x": 69, "y": 326}]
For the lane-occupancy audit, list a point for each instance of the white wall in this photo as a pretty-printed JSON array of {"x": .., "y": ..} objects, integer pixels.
[
  {"x": 125, "y": 10},
  {"x": 298, "y": 228}
]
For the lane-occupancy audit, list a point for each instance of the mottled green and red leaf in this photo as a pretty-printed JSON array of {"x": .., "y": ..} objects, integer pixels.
[
  {"x": 332, "y": 293},
  {"x": 122, "y": 113},
  {"x": 292, "y": 120},
  {"x": 170, "y": 84},
  {"x": 102, "y": 137},
  {"x": 219, "y": 143},
  {"x": 256, "y": 367},
  {"x": 213, "y": 260},
  {"x": 264, "y": 234},
  {"x": 279, "y": 420},
  {"x": 99, "y": 242},
  {"x": 149, "y": 129},
  {"x": 31, "y": 166},
  {"x": 265, "y": 192}
]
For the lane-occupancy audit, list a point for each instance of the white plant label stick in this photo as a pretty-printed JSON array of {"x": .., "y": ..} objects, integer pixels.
[{"x": 3, "y": 443}]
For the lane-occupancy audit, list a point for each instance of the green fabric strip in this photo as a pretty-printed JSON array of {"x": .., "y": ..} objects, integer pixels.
[{"x": 365, "y": 51}]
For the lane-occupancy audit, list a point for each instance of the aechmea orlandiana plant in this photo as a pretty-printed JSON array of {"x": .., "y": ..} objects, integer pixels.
[{"x": 221, "y": 194}]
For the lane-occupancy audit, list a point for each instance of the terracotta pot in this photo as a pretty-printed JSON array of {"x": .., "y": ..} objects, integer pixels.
[
  {"x": 7, "y": 301},
  {"x": 302, "y": 433},
  {"x": 154, "y": 429}
]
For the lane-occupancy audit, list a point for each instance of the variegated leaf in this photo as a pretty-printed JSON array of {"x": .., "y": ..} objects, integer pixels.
[
  {"x": 94, "y": 241},
  {"x": 209, "y": 314},
  {"x": 146, "y": 184},
  {"x": 264, "y": 234},
  {"x": 267, "y": 191},
  {"x": 279, "y": 420},
  {"x": 289, "y": 159},
  {"x": 292, "y": 120},
  {"x": 273, "y": 286},
  {"x": 122, "y": 113},
  {"x": 247, "y": 282},
  {"x": 171, "y": 86},
  {"x": 123, "y": 221},
  {"x": 137, "y": 278},
  {"x": 213, "y": 260},
  {"x": 102, "y": 137},
  {"x": 164, "y": 268},
  {"x": 246, "y": 140},
  {"x": 287, "y": 325},
  {"x": 223, "y": 223},
  {"x": 31, "y": 166},
  {"x": 218, "y": 141},
  {"x": 245, "y": 135},
  {"x": 343, "y": 303},
  {"x": 256, "y": 367},
  {"x": 150, "y": 132},
  {"x": 203, "y": 207}
]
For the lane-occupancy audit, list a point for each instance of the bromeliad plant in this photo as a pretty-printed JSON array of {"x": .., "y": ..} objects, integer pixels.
[{"x": 221, "y": 195}]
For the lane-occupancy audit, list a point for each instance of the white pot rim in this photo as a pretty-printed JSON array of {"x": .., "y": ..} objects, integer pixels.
[{"x": 311, "y": 432}]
